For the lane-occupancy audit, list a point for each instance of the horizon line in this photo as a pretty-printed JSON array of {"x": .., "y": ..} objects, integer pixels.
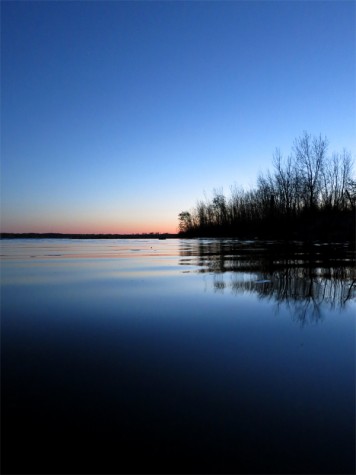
[{"x": 57, "y": 234}]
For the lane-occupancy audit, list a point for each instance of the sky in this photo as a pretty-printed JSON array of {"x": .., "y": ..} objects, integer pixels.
[{"x": 118, "y": 115}]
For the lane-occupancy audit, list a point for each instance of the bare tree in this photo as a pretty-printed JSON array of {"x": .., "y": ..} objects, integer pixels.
[
  {"x": 286, "y": 182},
  {"x": 185, "y": 221},
  {"x": 335, "y": 179},
  {"x": 219, "y": 207},
  {"x": 310, "y": 155},
  {"x": 201, "y": 214}
]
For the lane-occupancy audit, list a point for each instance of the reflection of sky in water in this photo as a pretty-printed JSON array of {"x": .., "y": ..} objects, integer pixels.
[
  {"x": 144, "y": 351},
  {"x": 88, "y": 248}
]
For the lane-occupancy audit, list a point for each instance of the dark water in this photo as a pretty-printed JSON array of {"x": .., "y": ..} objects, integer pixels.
[{"x": 177, "y": 356}]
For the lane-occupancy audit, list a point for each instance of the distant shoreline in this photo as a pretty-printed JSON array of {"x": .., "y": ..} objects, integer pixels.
[{"x": 87, "y": 236}]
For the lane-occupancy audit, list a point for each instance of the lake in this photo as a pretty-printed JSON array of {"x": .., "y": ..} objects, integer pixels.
[{"x": 177, "y": 356}]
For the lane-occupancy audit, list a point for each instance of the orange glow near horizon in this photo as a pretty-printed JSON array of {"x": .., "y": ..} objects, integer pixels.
[{"x": 82, "y": 228}]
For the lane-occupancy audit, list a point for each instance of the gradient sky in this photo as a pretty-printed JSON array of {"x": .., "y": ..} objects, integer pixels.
[{"x": 116, "y": 116}]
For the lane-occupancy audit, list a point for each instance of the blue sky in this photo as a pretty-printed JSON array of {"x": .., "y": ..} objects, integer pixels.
[{"x": 116, "y": 116}]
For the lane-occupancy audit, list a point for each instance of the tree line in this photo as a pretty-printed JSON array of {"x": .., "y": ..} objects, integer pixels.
[{"x": 307, "y": 195}]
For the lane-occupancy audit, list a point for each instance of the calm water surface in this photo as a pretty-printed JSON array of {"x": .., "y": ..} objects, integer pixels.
[{"x": 176, "y": 356}]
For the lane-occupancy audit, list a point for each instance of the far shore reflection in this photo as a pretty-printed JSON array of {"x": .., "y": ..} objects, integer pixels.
[{"x": 305, "y": 279}]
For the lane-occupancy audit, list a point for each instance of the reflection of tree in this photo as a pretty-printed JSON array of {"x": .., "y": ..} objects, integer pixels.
[{"x": 301, "y": 279}]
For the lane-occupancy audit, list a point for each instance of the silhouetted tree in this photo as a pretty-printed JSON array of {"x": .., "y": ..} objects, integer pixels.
[
  {"x": 310, "y": 157},
  {"x": 185, "y": 221},
  {"x": 306, "y": 194}
]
